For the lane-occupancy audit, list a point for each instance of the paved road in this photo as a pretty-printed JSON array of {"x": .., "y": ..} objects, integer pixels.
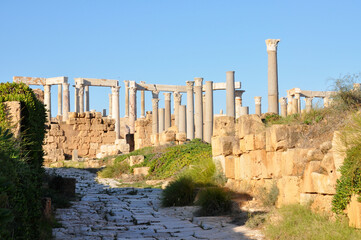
[{"x": 105, "y": 213}]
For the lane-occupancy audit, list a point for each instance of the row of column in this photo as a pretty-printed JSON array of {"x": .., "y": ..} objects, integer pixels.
[{"x": 63, "y": 100}]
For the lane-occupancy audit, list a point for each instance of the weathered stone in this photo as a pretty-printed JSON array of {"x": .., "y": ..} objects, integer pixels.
[
  {"x": 325, "y": 147},
  {"x": 260, "y": 141},
  {"x": 181, "y": 137},
  {"x": 230, "y": 166},
  {"x": 314, "y": 155},
  {"x": 354, "y": 212},
  {"x": 141, "y": 171},
  {"x": 249, "y": 124},
  {"x": 137, "y": 159},
  {"x": 289, "y": 190},
  {"x": 223, "y": 126},
  {"x": 249, "y": 142},
  {"x": 222, "y": 145}
]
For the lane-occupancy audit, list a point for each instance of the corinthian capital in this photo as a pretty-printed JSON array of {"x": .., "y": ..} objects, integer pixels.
[
  {"x": 177, "y": 97},
  {"x": 189, "y": 85},
  {"x": 272, "y": 44}
]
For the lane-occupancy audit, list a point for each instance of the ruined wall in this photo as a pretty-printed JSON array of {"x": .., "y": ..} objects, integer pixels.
[
  {"x": 254, "y": 156},
  {"x": 13, "y": 116},
  {"x": 89, "y": 133}
]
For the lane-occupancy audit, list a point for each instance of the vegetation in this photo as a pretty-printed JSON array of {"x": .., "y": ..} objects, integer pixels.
[
  {"x": 180, "y": 192},
  {"x": 214, "y": 201},
  {"x": 299, "y": 223}
]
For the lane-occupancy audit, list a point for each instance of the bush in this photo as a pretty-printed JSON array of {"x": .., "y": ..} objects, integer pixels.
[
  {"x": 268, "y": 197},
  {"x": 214, "y": 201},
  {"x": 115, "y": 170},
  {"x": 180, "y": 192}
]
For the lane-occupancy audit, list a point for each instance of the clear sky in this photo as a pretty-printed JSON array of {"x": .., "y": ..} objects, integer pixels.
[{"x": 170, "y": 42}]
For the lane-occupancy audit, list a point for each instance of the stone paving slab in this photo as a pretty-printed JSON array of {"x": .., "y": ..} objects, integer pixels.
[{"x": 126, "y": 213}]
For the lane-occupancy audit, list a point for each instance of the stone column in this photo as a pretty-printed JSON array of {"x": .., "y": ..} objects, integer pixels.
[
  {"x": 161, "y": 119},
  {"x": 126, "y": 86},
  {"x": 86, "y": 89},
  {"x": 182, "y": 119},
  {"x": 204, "y": 114},
  {"x": 289, "y": 101},
  {"x": 167, "y": 111},
  {"x": 244, "y": 111},
  {"x": 298, "y": 97},
  {"x": 208, "y": 127},
  {"x": 60, "y": 96},
  {"x": 294, "y": 105},
  {"x": 76, "y": 99},
  {"x": 65, "y": 101},
  {"x": 272, "y": 75},
  {"x": 115, "y": 108},
  {"x": 133, "y": 108},
  {"x": 177, "y": 102},
  {"x": 238, "y": 102},
  {"x": 47, "y": 101},
  {"x": 142, "y": 103},
  {"x": 308, "y": 101},
  {"x": 283, "y": 102},
  {"x": 110, "y": 105},
  {"x": 190, "y": 110},
  {"x": 230, "y": 100},
  {"x": 198, "y": 107},
  {"x": 258, "y": 109},
  {"x": 326, "y": 102},
  {"x": 155, "y": 101},
  {"x": 81, "y": 98}
]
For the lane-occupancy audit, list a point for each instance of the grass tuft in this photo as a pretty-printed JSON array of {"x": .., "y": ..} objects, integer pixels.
[
  {"x": 180, "y": 192},
  {"x": 214, "y": 201}
]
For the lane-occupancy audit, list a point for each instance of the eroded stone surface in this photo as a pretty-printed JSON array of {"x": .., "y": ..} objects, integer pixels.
[{"x": 128, "y": 213}]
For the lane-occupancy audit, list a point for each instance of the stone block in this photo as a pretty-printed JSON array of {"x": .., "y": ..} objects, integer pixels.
[
  {"x": 137, "y": 159},
  {"x": 325, "y": 147},
  {"x": 289, "y": 190},
  {"x": 95, "y": 139},
  {"x": 83, "y": 152},
  {"x": 229, "y": 164},
  {"x": 182, "y": 137},
  {"x": 271, "y": 165},
  {"x": 237, "y": 168},
  {"x": 260, "y": 141},
  {"x": 242, "y": 145},
  {"x": 107, "y": 140},
  {"x": 354, "y": 212},
  {"x": 223, "y": 126},
  {"x": 314, "y": 155},
  {"x": 249, "y": 124},
  {"x": 322, "y": 203},
  {"x": 236, "y": 148},
  {"x": 249, "y": 142},
  {"x": 141, "y": 171},
  {"x": 276, "y": 138},
  {"x": 50, "y": 139},
  {"x": 222, "y": 145},
  {"x": 94, "y": 146},
  {"x": 317, "y": 180},
  {"x": 221, "y": 162}
]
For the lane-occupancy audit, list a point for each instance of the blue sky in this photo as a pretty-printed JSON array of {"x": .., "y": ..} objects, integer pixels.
[{"x": 170, "y": 42}]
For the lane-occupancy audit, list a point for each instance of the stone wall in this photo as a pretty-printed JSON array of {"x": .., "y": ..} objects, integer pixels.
[
  {"x": 13, "y": 115},
  {"x": 89, "y": 133},
  {"x": 253, "y": 156}
]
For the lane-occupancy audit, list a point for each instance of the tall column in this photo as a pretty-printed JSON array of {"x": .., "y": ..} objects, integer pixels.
[
  {"x": 161, "y": 119},
  {"x": 230, "y": 104},
  {"x": 182, "y": 119},
  {"x": 238, "y": 102},
  {"x": 177, "y": 102},
  {"x": 289, "y": 101},
  {"x": 115, "y": 108},
  {"x": 294, "y": 105},
  {"x": 204, "y": 114},
  {"x": 126, "y": 88},
  {"x": 258, "y": 109},
  {"x": 272, "y": 75},
  {"x": 110, "y": 105},
  {"x": 167, "y": 111},
  {"x": 208, "y": 127},
  {"x": 81, "y": 98},
  {"x": 190, "y": 110},
  {"x": 76, "y": 99},
  {"x": 133, "y": 108},
  {"x": 155, "y": 101},
  {"x": 86, "y": 89},
  {"x": 47, "y": 101},
  {"x": 198, "y": 107},
  {"x": 142, "y": 103},
  {"x": 65, "y": 101},
  {"x": 60, "y": 104},
  {"x": 308, "y": 101},
  {"x": 283, "y": 102},
  {"x": 298, "y": 97}
]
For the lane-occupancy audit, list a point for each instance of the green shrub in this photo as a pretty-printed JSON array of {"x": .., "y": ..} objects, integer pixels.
[
  {"x": 115, "y": 170},
  {"x": 347, "y": 98},
  {"x": 268, "y": 197},
  {"x": 180, "y": 192},
  {"x": 214, "y": 201},
  {"x": 299, "y": 223}
]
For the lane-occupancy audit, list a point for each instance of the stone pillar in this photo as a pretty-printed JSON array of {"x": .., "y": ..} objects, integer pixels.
[
  {"x": 190, "y": 110},
  {"x": 60, "y": 96},
  {"x": 110, "y": 105},
  {"x": 47, "y": 101},
  {"x": 142, "y": 103},
  {"x": 115, "y": 108},
  {"x": 298, "y": 97},
  {"x": 161, "y": 119},
  {"x": 198, "y": 107},
  {"x": 167, "y": 111},
  {"x": 204, "y": 113},
  {"x": 238, "y": 102},
  {"x": 104, "y": 113},
  {"x": 208, "y": 127},
  {"x": 283, "y": 102},
  {"x": 65, "y": 101},
  {"x": 294, "y": 105},
  {"x": 308, "y": 101},
  {"x": 126, "y": 86},
  {"x": 81, "y": 98},
  {"x": 182, "y": 119},
  {"x": 289, "y": 101},
  {"x": 86, "y": 89},
  {"x": 177, "y": 102},
  {"x": 155, "y": 101},
  {"x": 230, "y": 100},
  {"x": 76, "y": 99},
  {"x": 133, "y": 108},
  {"x": 244, "y": 111},
  {"x": 326, "y": 102},
  {"x": 272, "y": 75},
  {"x": 258, "y": 109}
]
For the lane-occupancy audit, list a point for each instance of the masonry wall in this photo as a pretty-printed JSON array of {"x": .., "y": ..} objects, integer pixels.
[{"x": 253, "y": 156}]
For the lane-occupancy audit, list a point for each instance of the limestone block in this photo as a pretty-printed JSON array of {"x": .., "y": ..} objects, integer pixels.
[
  {"x": 249, "y": 142},
  {"x": 83, "y": 152},
  {"x": 182, "y": 137},
  {"x": 242, "y": 145},
  {"x": 237, "y": 168},
  {"x": 317, "y": 180},
  {"x": 95, "y": 139},
  {"x": 249, "y": 124},
  {"x": 137, "y": 159},
  {"x": 271, "y": 165},
  {"x": 81, "y": 115},
  {"x": 293, "y": 162},
  {"x": 256, "y": 158},
  {"x": 354, "y": 212},
  {"x": 222, "y": 145},
  {"x": 140, "y": 134},
  {"x": 98, "y": 115},
  {"x": 245, "y": 164},
  {"x": 328, "y": 164},
  {"x": 167, "y": 137},
  {"x": 99, "y": 127},
  {"x": 229, "y": 164},
  {"x": 322, "y": 203},
  {"x": 339, "y": 151},
  {"x": 54, "y": 126},
  {"x": 236, "y": 148},
  {"x": 110, "y": 134},
  {"x": 325, "y": 147},
  {"x": 220, "y": 161},
  {"x": 289, "y": 190},
  {"x": 92, "y": 152},
  {"x": 154, "y": 138},
  {"x": 276, "y": 138},
  {"x": 94, "y": 146},
  {"x": 141, "y": 171},
  {"x": 307, "y": 199},
  {"x": 60, "y": 139},
  {"x": 124, "y": 148},
  {"x": 223, "y": 126},
  {"x": 315, "y": 155},
  {"x": 50, "y": 139},
  {"x": 260, "y": 141}
]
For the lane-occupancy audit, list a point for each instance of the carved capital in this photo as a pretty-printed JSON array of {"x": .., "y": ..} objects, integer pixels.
[
  {"x": 272, "y": 44},
  {"x": 283, "y": 101},
  {"x": 167, "y": 96},
  {"x": 155, "y": 94},
  {"x": 257, "y": 100},
  {"x": 132, "y": 90},
  {"x": 190, "y": 85},
  {"x": 177, "y": 97},
  {"x": 115, "y": 90},
  {"x": 198, "y": 81}
]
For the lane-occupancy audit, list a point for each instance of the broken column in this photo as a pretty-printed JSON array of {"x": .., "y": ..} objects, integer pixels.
[
  {"x": 76, "y": 99},
  {"x": 155, "y": 101},
  {"x": 272, "y": 75},
  {"x": 110, "y": 105},
  {"x": 47, "y": 100},
  {"x": 198, "y": 107},
  {"x": 133, "y": 107},
  {"x": 86, "y": 91},
  {"x": 308, "y": 101},
  {"x": 244, "y": 111},
  {"x": 167, "y": 111},
  {"x": 142, "y": 103},
  {"x": 283, "y": 102},
  {"x": 65, "y": 101},
  {"x": 161, "y": 119},
  {"x": 177, "y": 102},
  {"x": 115, "y": 108},
  {"x": 230, "y": 100},
  {"x": 126, "y": 86},
  {"x": 238, "y": 102},
  {"x": 208, "y": 127},
  {"x": 298, "y": 97},
  {"x": 258, "y": 109},
  {"x": 81, "y": 98},
  {"x": 182, "y": 119},
  {"x": 190, "y": 110},
  {"x": 60, "y": 96}
]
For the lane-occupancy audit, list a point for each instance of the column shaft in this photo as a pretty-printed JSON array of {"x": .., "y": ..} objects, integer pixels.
[
  {"x": 60, "y": 103},
  {"x": 208, "y": 128},
  {"x": 167, "y": 111},
  {"x": 126, "y": 83},
  {"x": 258, "y": 109},
  {"x": 132, "y": 108},
  {"x": 110, "y": 105},
  {"x": 142, "y": 104},
  {"x": 272, "y": 75},
  {"x": 182, "y": 119},
  {"x": 230, "y": 104},
  {"x": 161, "y": 119},
  {"x": 198, "y": 107},
  {"x": 177, "y": 102},
  {"x": 308, "y": 104},
  {"x": 81, "y": 98},
  {"x": 76, "y": 99},
  {"x": 115, "y": 108},
  {"x": 190, "y": 110},
  {"x": 155, "y": 102},
  {"x": 244, "y": 111},
  {"x": 284, "y": 109},
  {"x": 294, "y": 105},
  {"x": 65, "y": 101},
  {"x": 47, "y": 100},
  {"x": 87, "y": 107}
]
